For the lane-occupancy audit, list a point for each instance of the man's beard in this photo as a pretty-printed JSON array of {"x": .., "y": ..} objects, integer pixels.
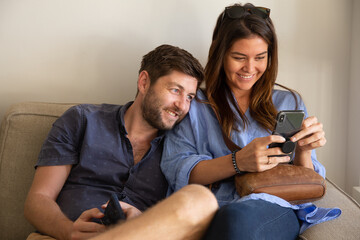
[{"x": 151, "y": 110}]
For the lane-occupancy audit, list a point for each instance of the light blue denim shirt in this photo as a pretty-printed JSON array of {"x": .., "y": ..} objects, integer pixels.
[{"x": 199, "y": 138}]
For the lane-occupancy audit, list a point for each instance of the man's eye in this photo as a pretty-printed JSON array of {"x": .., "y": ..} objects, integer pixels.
[
  {"x": 190, "y": 98},
  {"x": 175, "y": 90}
]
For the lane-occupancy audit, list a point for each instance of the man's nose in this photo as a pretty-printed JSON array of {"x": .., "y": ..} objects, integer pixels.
[{"x": 182, "y": 104}]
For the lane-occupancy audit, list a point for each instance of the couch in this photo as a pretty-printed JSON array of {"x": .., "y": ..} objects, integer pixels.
[{"x": 23, "y": 130}]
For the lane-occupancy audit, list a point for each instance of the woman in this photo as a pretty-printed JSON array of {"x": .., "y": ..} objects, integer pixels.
[{"x": 240, "y": 101}]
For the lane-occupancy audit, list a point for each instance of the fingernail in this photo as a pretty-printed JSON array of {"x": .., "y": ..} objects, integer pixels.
[{"x": 293, "y": 139}]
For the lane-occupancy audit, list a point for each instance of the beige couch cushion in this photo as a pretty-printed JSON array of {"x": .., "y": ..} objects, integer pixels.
[
  {"x": 347, "y": 226},
  {"x": 23, "y": 131}
]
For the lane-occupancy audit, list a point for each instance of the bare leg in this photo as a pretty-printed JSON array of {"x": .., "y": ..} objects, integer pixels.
[
  {"x": 184, "y": 215},
  {"x": 38, "y": 236}
]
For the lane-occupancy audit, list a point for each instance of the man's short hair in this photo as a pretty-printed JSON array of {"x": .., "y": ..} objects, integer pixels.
[{"x": 166, "y": 58}]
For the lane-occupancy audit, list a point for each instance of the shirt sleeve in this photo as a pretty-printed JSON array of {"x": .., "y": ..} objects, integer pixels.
[
  {"x": 287, "y": 101},
  {"x": 318, "y": 167},
  {"x": 180, "y": 155},
  {"x": 62, "y": 143}
]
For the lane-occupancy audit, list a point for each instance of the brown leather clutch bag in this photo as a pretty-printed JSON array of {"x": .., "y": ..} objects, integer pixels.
[{"x": 295, "y": 184}]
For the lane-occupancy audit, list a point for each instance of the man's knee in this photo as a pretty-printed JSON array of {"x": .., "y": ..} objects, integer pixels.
[
  {"x": 199, "y": 195},
  {"x": 195, "y": 203},
  {"x": 38, "y": 236}
]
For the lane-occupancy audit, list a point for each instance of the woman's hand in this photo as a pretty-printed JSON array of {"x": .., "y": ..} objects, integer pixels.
[
  {"x": 255, "y": 157},
  {"x": 310, "y": 137}
]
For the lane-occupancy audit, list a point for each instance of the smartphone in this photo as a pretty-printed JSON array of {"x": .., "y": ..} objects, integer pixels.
[
  {"x": 288, "y": 123},
  {"x": 113, "y": 211}
]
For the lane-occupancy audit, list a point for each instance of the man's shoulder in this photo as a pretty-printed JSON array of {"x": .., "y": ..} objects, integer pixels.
[
  {"x": 105, "y": 107},
  {"x": 95, "y": 109},
  {"x": 84, "y": 112}
]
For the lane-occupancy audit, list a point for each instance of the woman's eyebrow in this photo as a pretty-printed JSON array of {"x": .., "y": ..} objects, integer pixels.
[
  {"x": 261, "y": 53},
  {"x": 242, "y": 54}
]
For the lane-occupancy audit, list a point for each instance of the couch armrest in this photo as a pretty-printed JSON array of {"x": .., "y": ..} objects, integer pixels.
[{"x": 347, "y": 226}]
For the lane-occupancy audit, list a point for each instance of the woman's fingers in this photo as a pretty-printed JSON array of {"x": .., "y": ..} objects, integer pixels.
[
  {"x": 311, "y": 136},
  {"x": 309, "y": 126},
  {"x": 255, "y": 156}
]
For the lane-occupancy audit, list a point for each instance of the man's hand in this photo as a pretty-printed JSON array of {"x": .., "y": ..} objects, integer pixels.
[
  {"x": 84, "y": 228},
  {"x": 129, "y": 210}
]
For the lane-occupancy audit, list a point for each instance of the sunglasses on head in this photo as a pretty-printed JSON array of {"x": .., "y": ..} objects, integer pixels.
[{"x": 238, "y": 12}]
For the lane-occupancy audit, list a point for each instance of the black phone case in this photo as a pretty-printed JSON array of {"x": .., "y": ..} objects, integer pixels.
[
  {"x": 113, "y": 212},
  {"x": 288, "y": 123}
]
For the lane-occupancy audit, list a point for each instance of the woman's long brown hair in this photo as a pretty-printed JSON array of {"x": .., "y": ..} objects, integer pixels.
[{"x": 261, "y": 106}]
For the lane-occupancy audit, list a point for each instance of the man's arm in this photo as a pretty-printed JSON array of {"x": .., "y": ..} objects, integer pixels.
[{"x": 42, "y": 211}]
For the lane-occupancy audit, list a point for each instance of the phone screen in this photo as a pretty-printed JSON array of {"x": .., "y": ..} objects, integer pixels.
[
  {"x": 288, "y": 123},
  {"x": 113, "y": 212}
]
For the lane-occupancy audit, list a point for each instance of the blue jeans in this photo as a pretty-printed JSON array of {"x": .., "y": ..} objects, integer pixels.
[{"x": 253, "y": 219}]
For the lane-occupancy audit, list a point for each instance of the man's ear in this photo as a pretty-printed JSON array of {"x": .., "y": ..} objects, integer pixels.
[{"x": 143, "y": 82}]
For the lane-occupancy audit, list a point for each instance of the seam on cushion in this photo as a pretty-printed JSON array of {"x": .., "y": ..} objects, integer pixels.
[
  {"x": 2, "y": 147},
  {"x": 7, "y": 124}
]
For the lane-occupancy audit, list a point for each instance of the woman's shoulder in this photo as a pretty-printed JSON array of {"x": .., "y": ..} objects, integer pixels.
[
  {"x": 200, "y": 110},
  {"x": 198, "y": 122},
  {"x": 279, "y": 93},
  {"x": 284, "y": 99},
  {"x": 199, "y": 103},
  {"x": 200, "y": 95}
]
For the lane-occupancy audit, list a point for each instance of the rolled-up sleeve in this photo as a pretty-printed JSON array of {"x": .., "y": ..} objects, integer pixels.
[
  {"x": 60, "y": 146},
  {"x": 285, "y": 101},
  {"x": 318, "y": 167},
  {"x": 180, "y": 155}
]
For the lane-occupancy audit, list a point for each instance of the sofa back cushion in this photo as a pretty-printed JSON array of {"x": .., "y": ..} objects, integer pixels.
[{"x": 23, "y": 131}]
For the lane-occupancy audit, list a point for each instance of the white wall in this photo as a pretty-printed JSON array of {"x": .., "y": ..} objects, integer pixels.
[
  {"x": 90, "y": 50},
  {"x": 353, "y": 163}
]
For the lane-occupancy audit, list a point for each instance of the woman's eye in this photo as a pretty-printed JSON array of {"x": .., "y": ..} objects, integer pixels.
[
  {"x": 260, "y": 58},
  {"x": 239, "y": 58}
]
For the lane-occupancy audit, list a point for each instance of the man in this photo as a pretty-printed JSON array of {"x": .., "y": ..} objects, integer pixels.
[{"x": 95, "y": 150}]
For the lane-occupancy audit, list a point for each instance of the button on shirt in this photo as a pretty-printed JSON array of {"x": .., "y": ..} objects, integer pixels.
[{"x": 93, "y": 139}]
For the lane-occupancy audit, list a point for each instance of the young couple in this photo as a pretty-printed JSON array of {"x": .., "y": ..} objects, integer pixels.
[{"x": 93, "y": 151}]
